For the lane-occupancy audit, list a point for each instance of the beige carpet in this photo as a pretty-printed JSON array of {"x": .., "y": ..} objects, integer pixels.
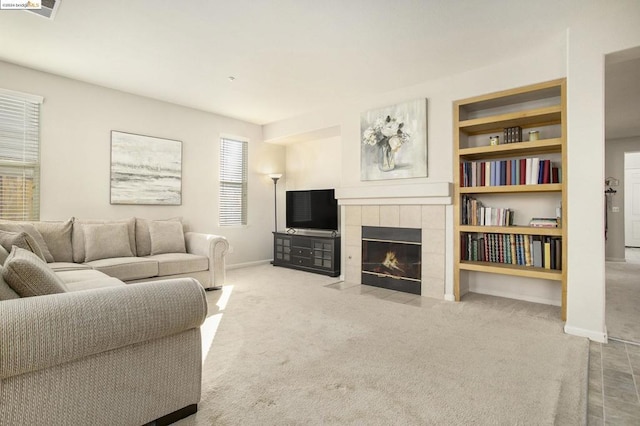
[
  {"x": 290, "y": 351},
  {"x": 623, "y": 300}
]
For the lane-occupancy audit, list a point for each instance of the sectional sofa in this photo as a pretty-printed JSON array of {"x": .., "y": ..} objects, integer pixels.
[
  {"x": 84, "y": 338},
  {"x": 131, "y": 250}
]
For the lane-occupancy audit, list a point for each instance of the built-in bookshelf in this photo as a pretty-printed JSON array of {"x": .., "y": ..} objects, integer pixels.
[{"x": 510, "y": 148}]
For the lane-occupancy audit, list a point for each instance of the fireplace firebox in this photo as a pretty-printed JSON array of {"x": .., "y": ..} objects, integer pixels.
[{"x": 392, "y": 258}]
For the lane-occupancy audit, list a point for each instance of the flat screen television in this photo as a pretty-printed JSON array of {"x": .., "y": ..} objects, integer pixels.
[{"x": 312, "y": 209}]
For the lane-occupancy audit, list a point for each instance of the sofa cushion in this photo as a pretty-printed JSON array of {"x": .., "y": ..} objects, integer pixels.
[
  {"x": 179, "y": 263},
  {"x": 93, "y": 284},
  {"x": 143, "y": 238},
  {"x": 103, "y": 241},
  {"x": 166, "y": 237},
  {"x": 68, "y": 266},
  {"x": 77, "y": 235},
  {"x": 6, "y": 292},
  {"x": 57, "y": 236},
  {"x": 28, "y": 275},
  {"x": 32, "y": 231},
  {"x": 126, "y": 268},
  {"x": 78, "y": 275},
  {"x": 3, "y": 255},
  {"x": 21, "y": 240}
]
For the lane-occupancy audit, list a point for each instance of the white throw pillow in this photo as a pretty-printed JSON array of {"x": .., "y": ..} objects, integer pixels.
[
  {"x": 104, "y": 241},
  {"x": 166, "y": 237}
]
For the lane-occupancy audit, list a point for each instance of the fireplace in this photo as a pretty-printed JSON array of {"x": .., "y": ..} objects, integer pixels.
[{"x": 392, "y": 258}]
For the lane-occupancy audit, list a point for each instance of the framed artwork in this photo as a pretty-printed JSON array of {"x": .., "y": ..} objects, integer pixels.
[
  {"x": 145, "y": 170},
  {"x": 394, "y": 141}
]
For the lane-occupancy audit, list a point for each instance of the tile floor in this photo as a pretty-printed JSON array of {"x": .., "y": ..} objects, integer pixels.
[
  {"x": 614, "y": 384},
  {"x": 614, "y": 368}
]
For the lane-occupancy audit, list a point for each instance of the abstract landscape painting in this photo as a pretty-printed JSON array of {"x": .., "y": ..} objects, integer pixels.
[{"x": 145, "y": 170}]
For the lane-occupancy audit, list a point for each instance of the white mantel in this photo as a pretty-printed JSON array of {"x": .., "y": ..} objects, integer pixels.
[{"x": 435, "y": 193}]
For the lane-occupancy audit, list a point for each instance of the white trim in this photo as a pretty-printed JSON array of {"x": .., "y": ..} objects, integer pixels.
[
  {"x": 435, "y": 193},
  {"x": 248, "y": 264},
  {"x": 449, "y": 298},
  {"x": 615, "y": 259},
  {"x": 596, "y": 336},
  {"x": 22, "y": 96}
]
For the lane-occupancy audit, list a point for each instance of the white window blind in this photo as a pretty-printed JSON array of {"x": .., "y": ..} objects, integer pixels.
[
  {"x": 19, "y": 156},
  {"x": 233, "y": 182}
]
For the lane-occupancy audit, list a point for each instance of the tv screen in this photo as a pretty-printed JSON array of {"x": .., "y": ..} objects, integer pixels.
[{"x": 312, "y": 209}]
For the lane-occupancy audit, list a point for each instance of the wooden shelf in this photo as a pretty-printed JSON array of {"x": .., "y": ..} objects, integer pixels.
[
  {"x": 544, "y": 146},
  {"x": 528, "y": 118},
  {"x": 546, "y": 187},
  {"x": 533, "y": 106},
  {"x": 516, "y": 270},
  {"x": 525, "y": 230}
]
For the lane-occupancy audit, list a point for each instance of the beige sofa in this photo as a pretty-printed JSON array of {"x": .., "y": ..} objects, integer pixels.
[
  {"x": 131, "y": 250},
  {"x": 121, "y": 354},
  {"x": 79, "y": 346}
]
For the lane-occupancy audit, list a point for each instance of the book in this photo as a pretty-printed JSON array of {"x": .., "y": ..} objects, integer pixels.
[
  {"x": 537, "y": 252},
  {"x": 547, "y": 253},
  {"x": 544, "y": 222},
  {"x": 523, "y": 171},
  {"x": 527, "y": 251}
]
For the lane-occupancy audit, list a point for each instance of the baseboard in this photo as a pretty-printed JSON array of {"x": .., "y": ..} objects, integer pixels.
[
  {"x": 516, "y": 296},
  {"x": 449, "y": 297},
  {"x": 247, "y": 264},
  {"x": 615, "y": 259},
  {"x": 596, "y": 336},
  {"x": 175, "y": 416}
]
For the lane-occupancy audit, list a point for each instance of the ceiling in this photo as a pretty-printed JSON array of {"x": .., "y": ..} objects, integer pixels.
[{"x": 288, "y": 57}]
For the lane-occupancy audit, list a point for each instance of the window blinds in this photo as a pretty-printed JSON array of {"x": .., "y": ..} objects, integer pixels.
[
  {"x": 19, "y": 156},
  {"x": 233, "y": 182}
]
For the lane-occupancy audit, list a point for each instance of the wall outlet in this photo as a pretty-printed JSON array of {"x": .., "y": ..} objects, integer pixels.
[{"x": 615, "y": 209}]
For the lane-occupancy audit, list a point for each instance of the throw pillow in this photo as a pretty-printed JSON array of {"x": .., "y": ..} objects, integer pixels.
[
  {"x": 106, "y": 241},
  {"x": 20, "y": 239},
  {"x": 6, "y": 292},
  {"x": 28, "y": 275},
  {"x": 143, "y": 238},
  {"x": 3, "y": 255},
  {"x": 166, "y": 237},
  {"x": 57, "y": 236},
  {"x": 77, "y": 235},
  {"x": 30, "y": 229}
]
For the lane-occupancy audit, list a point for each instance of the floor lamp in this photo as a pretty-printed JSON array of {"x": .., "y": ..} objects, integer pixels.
[{"x": 275, "y": 177}]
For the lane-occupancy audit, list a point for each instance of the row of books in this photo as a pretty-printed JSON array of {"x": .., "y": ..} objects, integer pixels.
[
  {"x": 476, "y": 214},
  {"x": 523, "y": 171},
  {"x": 515, "y": 249},
  {"x": 513, "y": 134}
]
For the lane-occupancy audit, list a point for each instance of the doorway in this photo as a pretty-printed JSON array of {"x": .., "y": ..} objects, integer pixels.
[{"x": 622, "y": 195}]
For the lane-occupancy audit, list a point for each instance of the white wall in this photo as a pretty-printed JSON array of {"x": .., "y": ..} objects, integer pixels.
[
  {"x": 440, "y": 94},
  {"x": 612, "y": 28},
  {"x": 577, "y": 54},
  {"x": 76, "y": 122},
  {"x": 314, "y": 164}
]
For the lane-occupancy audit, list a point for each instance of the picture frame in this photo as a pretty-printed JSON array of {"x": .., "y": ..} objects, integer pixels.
[
  {"x": 145, "y": 170},
  {"x": 393, "y": 141}
]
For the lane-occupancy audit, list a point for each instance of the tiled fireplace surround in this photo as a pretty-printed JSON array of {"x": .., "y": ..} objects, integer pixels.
[{"x": 394, "y": 210}]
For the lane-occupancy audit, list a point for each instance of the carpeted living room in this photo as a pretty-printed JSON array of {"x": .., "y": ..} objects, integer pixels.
[{"x": 239, "y": 213}]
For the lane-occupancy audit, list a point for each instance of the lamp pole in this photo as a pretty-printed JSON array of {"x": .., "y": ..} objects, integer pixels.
[{"x": 275, "y": 177}]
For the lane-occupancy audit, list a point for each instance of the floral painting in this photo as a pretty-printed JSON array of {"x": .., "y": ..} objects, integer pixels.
[
  {"x": 394, "y": 141},
  {"x": 145, "y": 170}
]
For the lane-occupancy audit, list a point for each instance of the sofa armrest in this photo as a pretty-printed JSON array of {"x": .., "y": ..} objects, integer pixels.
[
  {"x": 214, "y": 247},
  {"x": 43, "y": 331}
]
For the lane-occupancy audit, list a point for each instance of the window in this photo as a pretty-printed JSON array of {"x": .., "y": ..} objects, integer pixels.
[
  {"x": 233, "y": 182},
  {"x": 19, "y": 156}
]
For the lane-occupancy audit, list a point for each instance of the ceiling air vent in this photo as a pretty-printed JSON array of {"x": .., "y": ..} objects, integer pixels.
[{"x": 48, "y": 9}]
